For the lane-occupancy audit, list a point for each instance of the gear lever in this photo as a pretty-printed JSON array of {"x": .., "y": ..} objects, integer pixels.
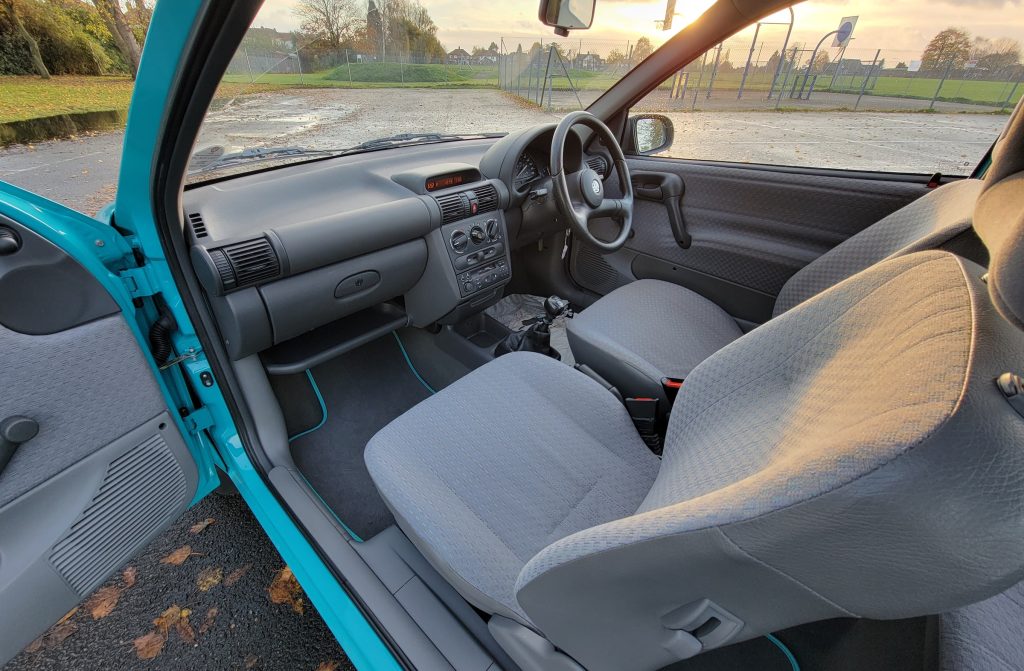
[{"x": 536, "y": 337}]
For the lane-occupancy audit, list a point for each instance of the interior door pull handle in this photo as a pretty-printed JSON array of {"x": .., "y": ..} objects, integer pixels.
[
  {"x": 14, "y": 431},
  {"x": 666, "y": 188}
]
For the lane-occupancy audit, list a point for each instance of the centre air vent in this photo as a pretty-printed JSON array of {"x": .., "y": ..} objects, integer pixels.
[
  {"x": 487, "y": 197},
  {"x": 452, "y": 207},
  {"x": 245, "y": 264},
  {"x": 599, "y": 165},
  {"x": 457, "y": 206}
]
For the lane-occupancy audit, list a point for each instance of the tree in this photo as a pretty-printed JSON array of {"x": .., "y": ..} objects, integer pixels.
[
  {"x": 330, "y": 21},
  {"x": 113, "y": 16},
  {"x": 33, "y": 47},
  {"x": 996, "y": 55},
  {"x": 642, "y": 50},
  {"x": 951, "y": 46},
  {"x": 821, "y": 62},
  {"x": 615, "y": 56}
]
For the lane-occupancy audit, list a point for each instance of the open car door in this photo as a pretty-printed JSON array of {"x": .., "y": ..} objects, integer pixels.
[{"x": 94, "y": 462}]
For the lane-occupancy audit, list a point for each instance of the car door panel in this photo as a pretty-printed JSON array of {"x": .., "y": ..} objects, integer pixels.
[
  {"x": 108, "y": 468},
  {"x": 750, "y": 229}
]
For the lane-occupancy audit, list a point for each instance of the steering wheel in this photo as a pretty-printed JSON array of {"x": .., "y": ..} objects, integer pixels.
[{"x": 580, "y": 195}]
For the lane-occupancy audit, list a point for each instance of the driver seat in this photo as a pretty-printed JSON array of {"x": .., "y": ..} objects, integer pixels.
[
  {"x": 854, "y": 457},
  {"x": 648, "y": 330}
]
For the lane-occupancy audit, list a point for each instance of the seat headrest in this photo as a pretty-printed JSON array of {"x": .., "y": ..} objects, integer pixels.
[{"x": 999, "y": 220}]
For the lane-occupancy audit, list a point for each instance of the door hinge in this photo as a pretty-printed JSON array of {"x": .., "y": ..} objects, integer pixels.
[
  {"x": 138, "y": 282},
  {"x": 199, "y": 419}
]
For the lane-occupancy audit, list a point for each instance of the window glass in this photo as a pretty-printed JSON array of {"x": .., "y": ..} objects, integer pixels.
[
  {"x": 918, "y": 86},
  {"x": 335, "y": 74}
]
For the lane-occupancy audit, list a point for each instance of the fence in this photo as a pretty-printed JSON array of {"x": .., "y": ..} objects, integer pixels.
[
  {"x": 762, "y": 68},
  {"x": 767, "y": 71}
]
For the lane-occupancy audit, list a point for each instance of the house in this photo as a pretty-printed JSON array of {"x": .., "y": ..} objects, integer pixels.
[
  {"x": 587, "y": 61},
  {"x": 486, "y": 57},
  {"x": 458, "y": 56}
]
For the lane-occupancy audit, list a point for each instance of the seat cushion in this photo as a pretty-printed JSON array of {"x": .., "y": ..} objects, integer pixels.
[
  {"x": 514, "y": 456},
  {"x": 647, "y": 330},
  {"x": 985, "y": 636}
]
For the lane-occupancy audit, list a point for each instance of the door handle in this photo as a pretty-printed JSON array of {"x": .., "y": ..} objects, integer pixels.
[
  {"x": 668, "y": 189},
  {"x": 14, "y": 431}
]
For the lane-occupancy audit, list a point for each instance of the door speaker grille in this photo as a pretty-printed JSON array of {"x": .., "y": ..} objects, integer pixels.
[
  {"x": 592, "y": 271},
  {"x": 140, "y": 491}
]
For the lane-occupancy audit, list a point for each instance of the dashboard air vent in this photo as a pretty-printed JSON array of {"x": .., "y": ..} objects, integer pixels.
[
  {"x": 487, "y": 197},
  {"x": 453, "y": 208},
  {"x": 246, "y": 263},
  {"x": 195, "y": 220},
  {"x": 599, "y": 165}
]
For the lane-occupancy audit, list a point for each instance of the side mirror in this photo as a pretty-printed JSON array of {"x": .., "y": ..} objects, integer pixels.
[
  {"x": 650, "y": 133},
  {"x": 566, "y": 15}
]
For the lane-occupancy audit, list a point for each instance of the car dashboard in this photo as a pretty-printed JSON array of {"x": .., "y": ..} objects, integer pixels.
[{"x": 303, "y": 262}]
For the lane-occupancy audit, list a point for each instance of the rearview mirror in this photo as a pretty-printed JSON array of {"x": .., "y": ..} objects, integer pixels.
[{"x": 566, "y": 15}]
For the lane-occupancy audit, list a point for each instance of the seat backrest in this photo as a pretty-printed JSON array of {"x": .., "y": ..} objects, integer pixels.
[
  {"x": 853, "y": 457},
  {"x": 927, "y": 223}
]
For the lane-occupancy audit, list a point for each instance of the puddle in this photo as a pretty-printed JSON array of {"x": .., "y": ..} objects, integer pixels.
[{"x": 59, "y": 126}]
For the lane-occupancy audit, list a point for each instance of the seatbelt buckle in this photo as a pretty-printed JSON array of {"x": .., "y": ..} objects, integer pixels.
[
  {"x": 644, "y": 413},
  {"x": 671, "y": 386}
]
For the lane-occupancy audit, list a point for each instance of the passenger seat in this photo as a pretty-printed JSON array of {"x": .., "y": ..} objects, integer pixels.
[{"x": 649, "y": 330}]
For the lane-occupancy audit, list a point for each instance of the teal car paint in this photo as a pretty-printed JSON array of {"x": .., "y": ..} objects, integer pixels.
[{"x": 110, "y": 257}]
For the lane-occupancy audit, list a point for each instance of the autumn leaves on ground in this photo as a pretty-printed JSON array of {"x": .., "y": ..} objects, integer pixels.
[{"x": 211, "y": 593}]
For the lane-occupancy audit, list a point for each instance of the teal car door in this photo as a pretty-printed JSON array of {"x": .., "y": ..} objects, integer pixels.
[
  {"x": 94, "y": 461},
  {"x": 112, "y": 421}
]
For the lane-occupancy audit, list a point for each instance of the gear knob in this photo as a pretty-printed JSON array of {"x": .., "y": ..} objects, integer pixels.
[{"x": 555, "y": 306}]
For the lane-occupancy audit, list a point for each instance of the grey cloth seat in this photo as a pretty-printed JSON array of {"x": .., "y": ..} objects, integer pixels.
[
  {"x": 480, "y": 495},
  {"x": 649, "y": 330},
  {"x": 852, "y": 457}
]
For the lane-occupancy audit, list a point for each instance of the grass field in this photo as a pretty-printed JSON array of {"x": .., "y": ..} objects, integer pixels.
[{"x": 23, "y": 98}]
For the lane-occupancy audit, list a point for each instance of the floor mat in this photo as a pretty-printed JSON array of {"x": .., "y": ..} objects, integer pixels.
[
  {"x": 363, "y": 391},
  {"x": 514, "y": 309}
]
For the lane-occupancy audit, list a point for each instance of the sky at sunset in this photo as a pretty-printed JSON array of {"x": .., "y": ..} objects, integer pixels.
[{"x": 897, "y": 26}]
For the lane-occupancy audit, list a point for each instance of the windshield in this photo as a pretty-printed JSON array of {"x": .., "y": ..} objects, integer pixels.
[{"x": 334, "y": 74}]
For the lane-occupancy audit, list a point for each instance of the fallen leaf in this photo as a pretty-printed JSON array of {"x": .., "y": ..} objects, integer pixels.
[
  {"x": 68, "y": 615},
  {"x": 150, "y": 645},
  {"x": 285, "y": 590},
  {"x": 199, "y": 527},
  {"x": 178, "y": 557},
  {"x": 209, "y": 578},
  {"x": 328, "y": 666},
  {"x": 236, "y": 575},
  {"x": 211, "y": 615},
  {"x": 34, "y": 646},
  {"x": 103, "y": 601},
  {"x": 184, "y": 628},
  {"x": 167, "y": 619},
  {"x": 250, "y": 661},
  {"x": 128, "y": 576},
  {"x": 60, "y": 632}
]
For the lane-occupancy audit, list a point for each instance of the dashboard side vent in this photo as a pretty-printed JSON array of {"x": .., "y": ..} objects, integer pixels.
[
  {"x": 246, "y": 263},
  {"x": 195, "y": 221},
  {"x": 487, "y": 197},
  {"x": 452, "y": 206},
  {"x": 599, "y": 165}
]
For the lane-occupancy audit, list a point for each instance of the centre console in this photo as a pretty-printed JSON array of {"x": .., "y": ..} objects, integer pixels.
[{"x": 469, "y": 259}]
